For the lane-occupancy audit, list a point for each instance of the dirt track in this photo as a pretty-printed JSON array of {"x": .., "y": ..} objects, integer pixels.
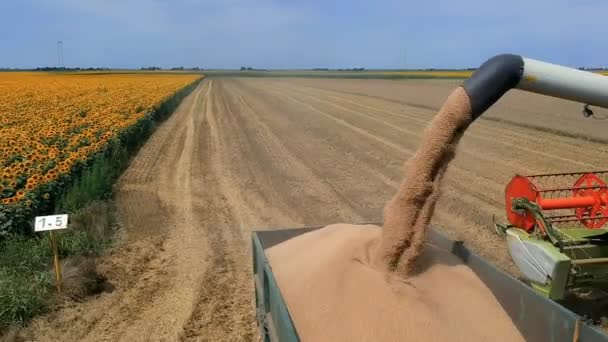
[{"x": 244, "y": 154}]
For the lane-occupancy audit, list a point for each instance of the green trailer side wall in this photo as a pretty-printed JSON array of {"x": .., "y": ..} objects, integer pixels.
[{"x": 273, "y": 318}]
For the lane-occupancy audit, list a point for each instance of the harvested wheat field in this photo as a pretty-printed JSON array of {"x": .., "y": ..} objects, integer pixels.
[{"x": 246, "y": 154}]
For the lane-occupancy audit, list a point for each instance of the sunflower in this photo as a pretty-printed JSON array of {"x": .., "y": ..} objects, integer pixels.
[{"x": 41, "y": 120}]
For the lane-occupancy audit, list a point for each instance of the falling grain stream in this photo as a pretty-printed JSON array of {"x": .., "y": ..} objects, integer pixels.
[{"x": 245, "y": 154}]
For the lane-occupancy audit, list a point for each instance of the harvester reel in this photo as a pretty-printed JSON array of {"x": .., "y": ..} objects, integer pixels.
[
  {"x": 557, "y": 231},
  {"x": 590, "y": 185}
]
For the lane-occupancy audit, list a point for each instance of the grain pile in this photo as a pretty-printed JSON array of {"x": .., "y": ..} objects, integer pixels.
[{"x": 364, "y": 283}]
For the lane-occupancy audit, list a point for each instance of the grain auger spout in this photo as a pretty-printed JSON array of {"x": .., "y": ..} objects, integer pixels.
[
  {"x": 557, "y": 232},
  {"x": 503, "y": 72}
]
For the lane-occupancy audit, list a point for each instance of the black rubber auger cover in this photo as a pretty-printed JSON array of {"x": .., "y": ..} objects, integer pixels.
[{"x": 492, "y": 80}]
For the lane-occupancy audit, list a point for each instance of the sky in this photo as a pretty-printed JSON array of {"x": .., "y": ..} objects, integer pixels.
[{"x": 286, "y": 34}]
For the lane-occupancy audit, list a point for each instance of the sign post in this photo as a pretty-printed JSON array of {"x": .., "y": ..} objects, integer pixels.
[{"x": 51, "y": 223}]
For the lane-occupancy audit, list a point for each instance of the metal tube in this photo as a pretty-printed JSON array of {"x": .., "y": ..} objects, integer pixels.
[
  {"x": 590, "y": 261},
  {"x": 567, "y": 203},
  {"x": 563, "y": 82}
]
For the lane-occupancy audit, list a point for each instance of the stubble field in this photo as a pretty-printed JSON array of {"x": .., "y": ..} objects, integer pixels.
[{"x": 246, "y": 154}]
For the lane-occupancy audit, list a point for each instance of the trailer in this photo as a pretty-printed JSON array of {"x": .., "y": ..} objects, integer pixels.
[{"x": 537, "y": 317}]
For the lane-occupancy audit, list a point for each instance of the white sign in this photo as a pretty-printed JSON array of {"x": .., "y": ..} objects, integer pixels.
[{"x": 51, "y": 222}]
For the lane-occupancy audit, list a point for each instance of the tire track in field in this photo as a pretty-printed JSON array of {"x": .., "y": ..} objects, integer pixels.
[
  {"x": 474, "y": 149},
  {"x": 474, "y": 201},
  {"x": 221, "y": 310},
  {"x": 477, "y": 200},
  {"x": 151, "y": 274},
  {"x": 510, "y": 135},
  {"x": 518, "y": 109},
  {"x": 475, "y": 152},
  {"x": 322, "y": 150},
  {"x": 477, "y": 137},
  {"x": 237, "y": 149}
]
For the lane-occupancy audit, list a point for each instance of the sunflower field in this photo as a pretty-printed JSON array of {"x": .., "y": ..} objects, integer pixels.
[{"x": 64, "y": 137}]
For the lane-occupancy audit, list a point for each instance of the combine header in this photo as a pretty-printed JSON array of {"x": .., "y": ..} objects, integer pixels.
[{"x": 557, "y": 230}]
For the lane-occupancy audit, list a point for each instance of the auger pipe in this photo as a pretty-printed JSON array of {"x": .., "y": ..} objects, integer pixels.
[
  {"x": 504, "y": 72},
  {"x": 571, "y": 202}
]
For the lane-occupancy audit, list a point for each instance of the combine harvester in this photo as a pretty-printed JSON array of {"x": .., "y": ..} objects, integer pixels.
[{"x": 557, "y": 232}]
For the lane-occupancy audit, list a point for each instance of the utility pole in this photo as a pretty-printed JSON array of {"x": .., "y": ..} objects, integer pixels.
[{"x": 59, "y": 53}]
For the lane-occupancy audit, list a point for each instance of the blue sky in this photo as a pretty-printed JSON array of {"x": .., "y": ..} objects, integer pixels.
[{"x": 300, "y": 33}]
